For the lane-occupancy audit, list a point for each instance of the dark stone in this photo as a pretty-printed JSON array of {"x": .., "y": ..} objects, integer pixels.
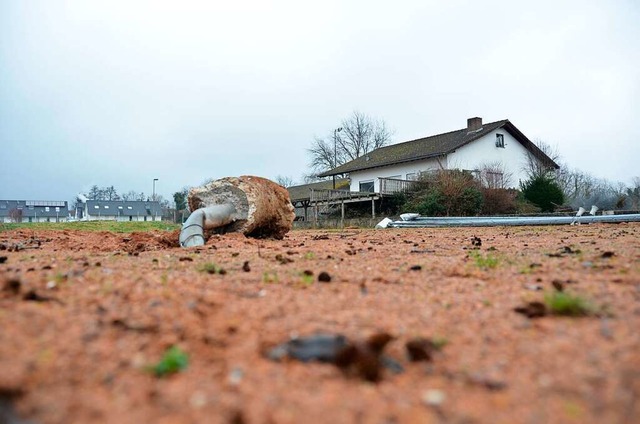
[{"x": 324, "y": 277}]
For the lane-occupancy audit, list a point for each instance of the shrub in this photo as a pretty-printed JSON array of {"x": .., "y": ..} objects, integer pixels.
[
  {"x": 499, "y": 201},
  {"x": 543, "y": 192},
  {"x": 429, "y": 203},
  {"x": 447, "y": 193}
]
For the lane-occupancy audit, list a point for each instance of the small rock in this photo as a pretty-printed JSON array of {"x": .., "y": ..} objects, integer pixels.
[
  {"x": 198, "y": 400},
  {"x": 51, "y": 285},
  {"x": 416, "y": 268},
  {"x": 235, "y": 376},
  {"x": 433, "y": 397},
  {"x": 324, "y": 277},
  {"x": 246, "y": 267},
  {"x": 533, "y": 287},
  {"x": 3, "y": 259}
]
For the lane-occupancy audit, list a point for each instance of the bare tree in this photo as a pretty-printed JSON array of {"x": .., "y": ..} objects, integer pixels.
[
  {"x": 583, "y": 189},
  {"x": 15, "y": 215},
  {"x": 633, "y": 194},
  {"x": 358, "y": 135},
  {"x": 94, "y": 193},
  {"x": 494, "y": 175},
  {"x": 129, "y": 195},
  {"x": 110, "y": 193},
  {"x": 534, "y": 167},
  {"x": 285, "y": 181}
]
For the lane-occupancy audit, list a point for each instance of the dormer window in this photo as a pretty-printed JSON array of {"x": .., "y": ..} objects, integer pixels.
[{"x": 500, "y": 140}]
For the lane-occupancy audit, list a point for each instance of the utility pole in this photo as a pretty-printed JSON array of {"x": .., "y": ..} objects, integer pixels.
[{"x": 335, "y": 153}]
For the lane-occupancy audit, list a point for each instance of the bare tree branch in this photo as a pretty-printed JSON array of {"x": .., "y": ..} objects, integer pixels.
[
  {"x": 534, "y": 167},
  {"x": 359, "y": 134},
  {"x": 284, "y": 180}
]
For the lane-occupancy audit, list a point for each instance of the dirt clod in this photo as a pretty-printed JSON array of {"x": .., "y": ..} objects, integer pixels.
[
  {"x": 246, "y": 267},
  {"x": 324, "y": 277},
  {"x": 533, "y": 309},
  {"x": 12, "y": 286},
  {"x": 420, "y": 349}
]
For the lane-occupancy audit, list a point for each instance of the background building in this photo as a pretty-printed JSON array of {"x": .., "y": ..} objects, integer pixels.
[{"x": 33, "y": 211}]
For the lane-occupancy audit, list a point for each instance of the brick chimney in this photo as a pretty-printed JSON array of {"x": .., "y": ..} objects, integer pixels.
[{"x": 474, "y": 124}]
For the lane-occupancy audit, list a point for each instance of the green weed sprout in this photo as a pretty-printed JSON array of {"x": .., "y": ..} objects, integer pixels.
[
  {"x": 211, "y": 268},
  {"x": 562, "y": 303},
  {"x": 172, "y": 361},
  {"x": 488, "y": 261}
]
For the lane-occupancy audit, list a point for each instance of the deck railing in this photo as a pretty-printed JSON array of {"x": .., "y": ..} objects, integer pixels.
[
  {"x": 328, "y": 195},
  {"x": 393, "y": 185}
]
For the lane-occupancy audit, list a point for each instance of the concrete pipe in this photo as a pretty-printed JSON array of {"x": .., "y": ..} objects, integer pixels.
[{"x": 254, "y": 206}]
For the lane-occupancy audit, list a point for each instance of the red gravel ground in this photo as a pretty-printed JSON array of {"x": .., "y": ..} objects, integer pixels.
[{"x": 83, "y": 315}]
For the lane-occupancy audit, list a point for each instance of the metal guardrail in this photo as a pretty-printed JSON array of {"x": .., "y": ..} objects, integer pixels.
[{"x": 423, "y": 222}]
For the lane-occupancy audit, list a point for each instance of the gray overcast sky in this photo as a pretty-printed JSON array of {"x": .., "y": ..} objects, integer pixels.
[{"x": 121, "y": 92}]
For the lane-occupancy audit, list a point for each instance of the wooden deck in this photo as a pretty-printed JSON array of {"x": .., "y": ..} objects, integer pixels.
[{"x": 322, "y": 198}]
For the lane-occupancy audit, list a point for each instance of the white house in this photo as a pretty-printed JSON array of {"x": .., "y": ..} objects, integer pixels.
[
  {"x": 33, "y": 211},
  {"x": 470, "y": 148},
  {"x": 120, "y": 210}
]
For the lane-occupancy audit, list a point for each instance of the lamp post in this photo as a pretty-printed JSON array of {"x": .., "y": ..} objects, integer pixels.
[
  {"x": 335, "y": 153},
  {"x": 153, "y": 197}
]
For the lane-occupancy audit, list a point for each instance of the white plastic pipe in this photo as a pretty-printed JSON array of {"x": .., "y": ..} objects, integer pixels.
[{"x": 192, "y": 233}]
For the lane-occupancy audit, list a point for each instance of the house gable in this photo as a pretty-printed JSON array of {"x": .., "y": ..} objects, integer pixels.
[{"x": 499, "y": 147}]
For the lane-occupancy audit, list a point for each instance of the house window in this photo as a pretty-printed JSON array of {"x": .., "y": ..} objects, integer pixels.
[
  {"x": 106, "y": 206},
  {"x": 120, "y": 207},
  {"x": 500, "y": 140},
  {"x": 494, "y": 179},
  {"x": 46, "y": 208},
  {"x": 129, "y": 207},
  {"x": 366, "y": 186},
  {"x": 97, "y": 207}
]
